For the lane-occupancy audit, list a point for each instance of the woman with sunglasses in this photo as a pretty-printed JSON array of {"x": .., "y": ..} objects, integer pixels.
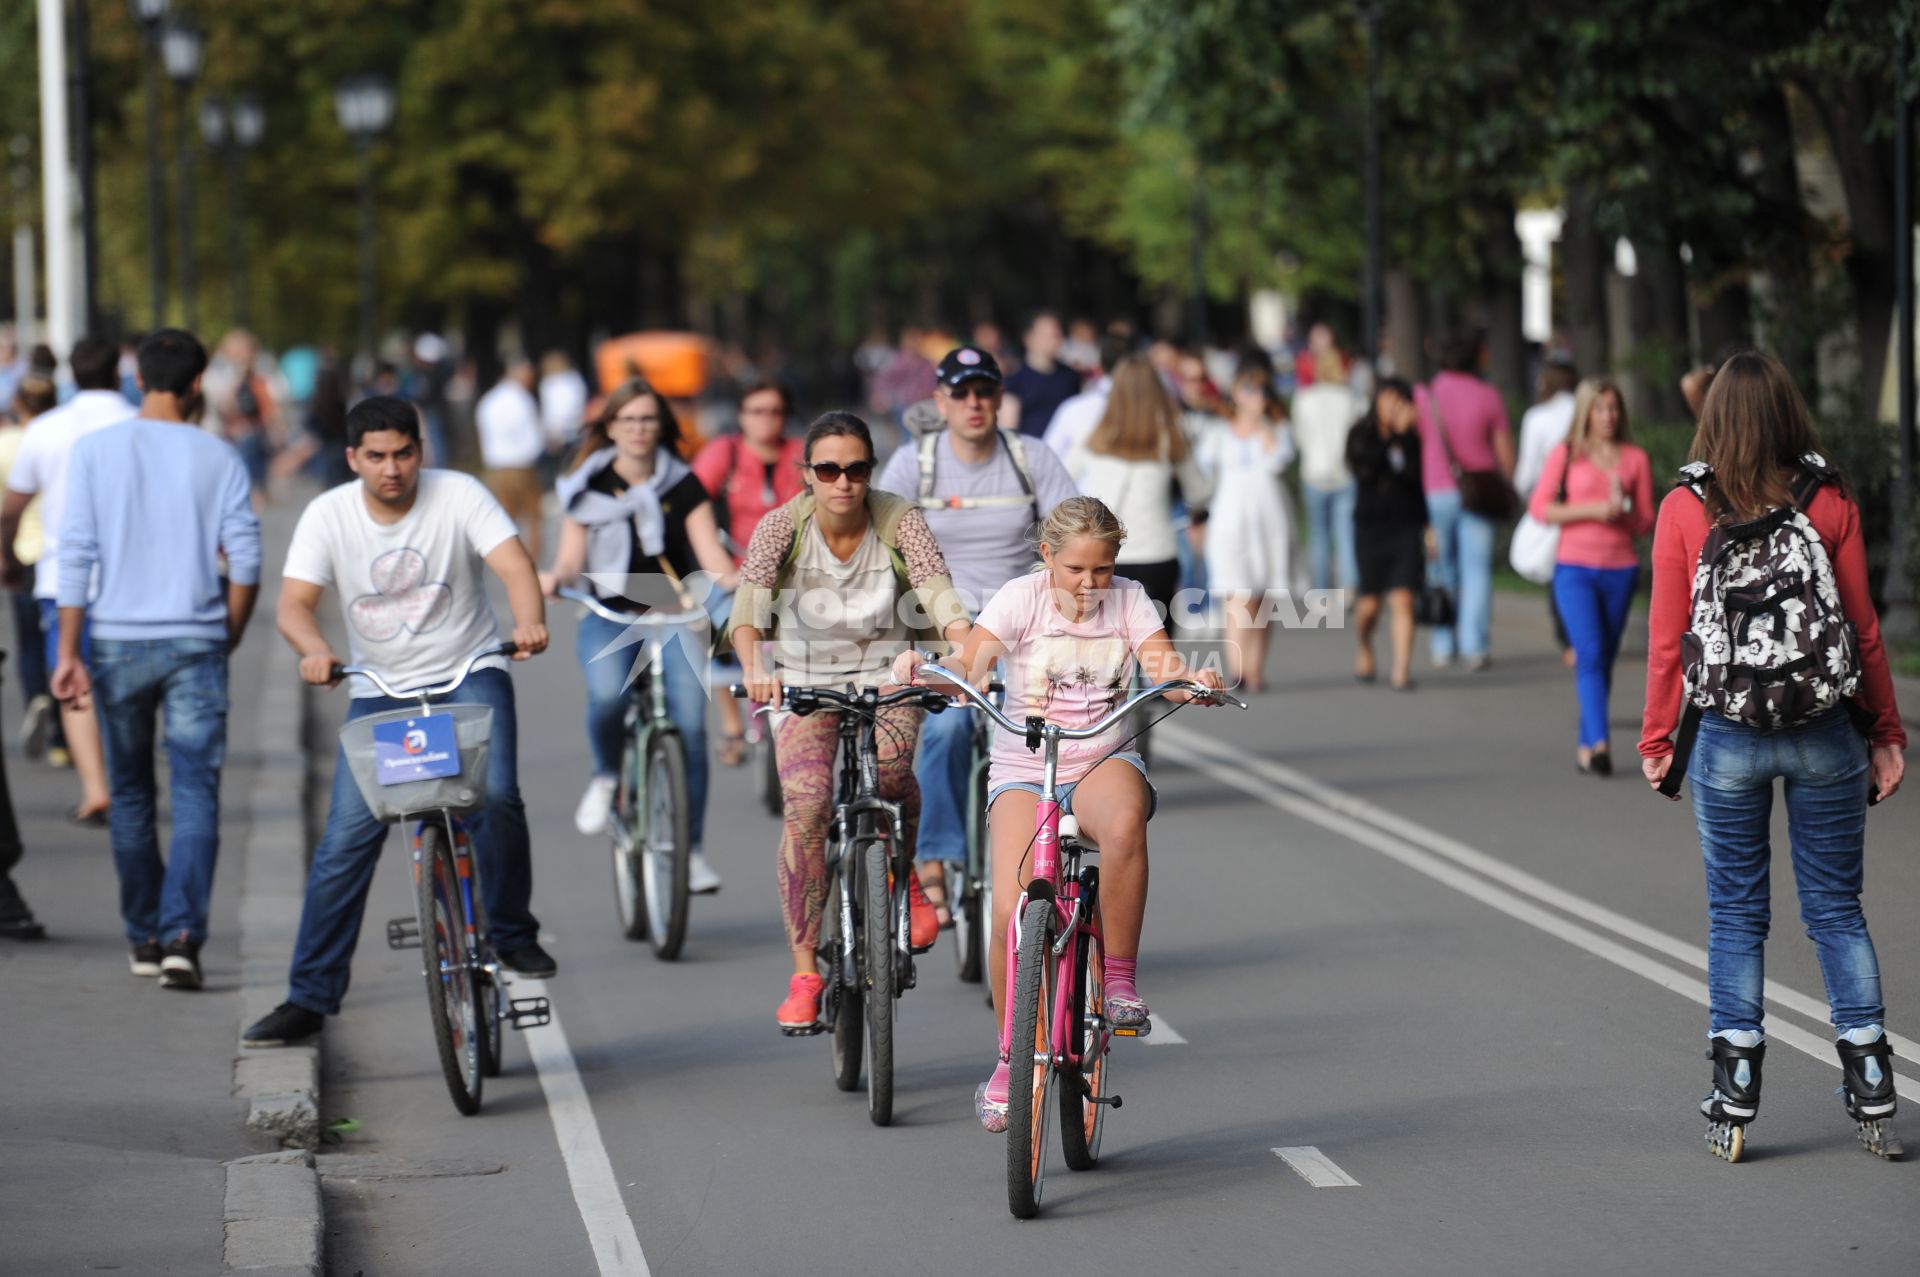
[
  {"x": 838, "y": 581},
  {"x": 636, "y": 511}
]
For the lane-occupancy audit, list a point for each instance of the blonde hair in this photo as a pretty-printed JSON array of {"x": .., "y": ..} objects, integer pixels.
[
  {"x": 1142, "y": 422},
  {"x": 1585, "y": 396},
  {"x": 1081, "y": 517}
]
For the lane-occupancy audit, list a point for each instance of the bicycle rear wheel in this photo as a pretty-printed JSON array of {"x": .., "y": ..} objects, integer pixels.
[
  {"x": 1030, "y": 1063},
  {"x": 667, "y": 845},
  {"x": 841, "y": 971},
  {"x": 876, "y": 856},
  {"x": 453, "y": 1004},
  {"x": 969, "y": 923},
  {"x": 1081, "y": 1120},
  {"x": 623, "y": 829}
]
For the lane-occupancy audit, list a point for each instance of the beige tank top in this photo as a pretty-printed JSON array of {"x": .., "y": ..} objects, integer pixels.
[{"x": 839, "y": 620}]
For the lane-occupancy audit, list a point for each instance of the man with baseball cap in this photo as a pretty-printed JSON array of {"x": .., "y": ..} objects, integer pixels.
[{"x": 983, "y": 490}]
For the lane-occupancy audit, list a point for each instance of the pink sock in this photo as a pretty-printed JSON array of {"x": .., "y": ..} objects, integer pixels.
[
  {"x": 997, "y": 1085},
  {"x": 1119, "y": 973}
]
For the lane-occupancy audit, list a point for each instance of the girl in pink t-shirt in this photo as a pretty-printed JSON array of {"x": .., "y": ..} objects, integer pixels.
[{"x": 1071, "y": 635}]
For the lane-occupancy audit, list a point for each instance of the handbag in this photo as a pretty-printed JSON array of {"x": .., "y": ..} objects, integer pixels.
[
  {"x": 1434, "y": 606},
  {"x": 1483, "y": 492},
  {"x": 1535, "y": 548}
]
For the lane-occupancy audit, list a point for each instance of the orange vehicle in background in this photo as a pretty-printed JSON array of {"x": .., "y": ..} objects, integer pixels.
[{"x": 676, "y": 364}]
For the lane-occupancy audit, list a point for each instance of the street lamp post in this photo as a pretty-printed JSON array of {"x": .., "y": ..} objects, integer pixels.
[
  {"x": 1370, "y": 303},
  {"x": 1901, "y": 619},
  {"x": 365, "y": 106},
  {"x": 181, "y": 48},
  {"x": 148, "y": 14},
  {"x": 231, "y": 129}
]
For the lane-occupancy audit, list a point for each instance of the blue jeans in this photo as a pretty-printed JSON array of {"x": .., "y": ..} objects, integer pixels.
[
  {"x": 29, "y": 645},
  {"x": 135, "y": 682},
  {"x": 1465, "y": 566},
  {"x": 1330, "y": 534},
  {"x": 941, "y": 768},
  {"x": 1593, "y": 604},
  {"x": 50, "y": 628},
  {"x": 607, "y": 695},
  {"x": 344, "y": 861},
  {"x": 1824, "y": 764}
]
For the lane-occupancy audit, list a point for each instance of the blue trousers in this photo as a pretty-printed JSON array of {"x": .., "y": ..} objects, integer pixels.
[
  {"x": 941, "y": 767},
  {"x": 608, "y": 692},
  {"x": 344, "y": 861},
  {"x": 1824, "y": 765},
  {"x": 1593, "y": 604},
  {"x": 1465, "y": 566},
  {"x": 1330, "y": 535},
  {"x": 135, "y": 683}
]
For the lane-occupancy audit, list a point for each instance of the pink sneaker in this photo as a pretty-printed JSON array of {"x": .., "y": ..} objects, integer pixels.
[{"x": 990, "y": 1101}]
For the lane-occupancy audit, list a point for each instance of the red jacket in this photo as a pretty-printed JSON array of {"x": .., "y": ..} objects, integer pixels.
[{"x": 1676, "y": 553}]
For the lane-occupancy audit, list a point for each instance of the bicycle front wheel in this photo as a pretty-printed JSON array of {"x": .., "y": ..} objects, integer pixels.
[
  {"x": 877, "y": 938},
  {"x": 667, "y": 845},
  {"x": 1081, "y": 1119},
  {"x": 453, "y": 1001},
  {"x": 1030, "y": 1062}
]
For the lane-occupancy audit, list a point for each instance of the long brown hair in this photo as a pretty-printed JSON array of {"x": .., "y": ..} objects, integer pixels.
[
  {"x": 1754, "y": 428},
  {"x": 1142, "y": 423},
  {"x": 595, "y": 437},
  {"x": 1585, "y": 396}
]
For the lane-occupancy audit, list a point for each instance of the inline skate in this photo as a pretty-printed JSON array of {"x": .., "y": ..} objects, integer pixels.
[
  {"x": 1735, "y": 1098},
  {"x": 1866, "y": 1061}
]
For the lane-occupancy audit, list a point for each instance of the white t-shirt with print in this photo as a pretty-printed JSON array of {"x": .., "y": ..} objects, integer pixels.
[{"x": 413, "y": 592}]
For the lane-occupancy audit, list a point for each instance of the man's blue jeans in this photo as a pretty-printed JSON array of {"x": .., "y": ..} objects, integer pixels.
[
  {"x": 941, "y": 767},
  {"x": 607, "y": 695},
  {"x": 1594, "y": 604},
  {"x": 135, "y": 683},
  {"x": 1330, "y": 535},
  {"x": 344, "y": 861},
  {"x": 1465, "y": 566},
  {"x": 1824, "y": 765}
]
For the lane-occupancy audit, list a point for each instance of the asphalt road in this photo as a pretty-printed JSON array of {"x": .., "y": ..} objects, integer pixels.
[{"x": 1398, "y": 929}]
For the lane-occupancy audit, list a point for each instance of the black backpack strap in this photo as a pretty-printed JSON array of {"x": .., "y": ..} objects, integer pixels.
[
  {"x": 1682, "y": 750},
  {"x": 1694, "y": 477},
  {"x": 1814, "y": 471}
]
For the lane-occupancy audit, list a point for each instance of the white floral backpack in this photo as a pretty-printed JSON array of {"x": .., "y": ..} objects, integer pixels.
[{"x": 1767, "y": 644}]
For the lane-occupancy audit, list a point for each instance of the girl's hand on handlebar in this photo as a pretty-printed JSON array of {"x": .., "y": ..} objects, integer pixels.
[
  {"x": 1206, "y": 678},
  {"x": 530, "y": 639},
  {"x": 318, "y": 670}
]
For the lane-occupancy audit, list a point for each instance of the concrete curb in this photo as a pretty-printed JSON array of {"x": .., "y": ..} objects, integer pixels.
[
  {"x": 274, "y": 1210},
  {"x": 273, "y": 1220}
]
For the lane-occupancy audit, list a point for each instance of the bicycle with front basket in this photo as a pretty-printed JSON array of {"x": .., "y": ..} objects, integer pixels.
[
  {"x": 430, "y": 763},
  {"x": 864, "y": 953},
  {"x": 649, "y": 821},
  {"x": 1054, "y": 1026}
]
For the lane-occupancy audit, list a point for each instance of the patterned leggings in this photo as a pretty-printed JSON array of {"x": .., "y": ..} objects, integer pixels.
[{"x": 804, "y": 748}]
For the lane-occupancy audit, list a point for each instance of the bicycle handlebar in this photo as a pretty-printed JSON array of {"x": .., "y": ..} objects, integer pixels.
[
  {"x": 805, "y": 700},
  {"x": 1034, "y": 728},
  {"x": 606, "y": 613},
  {"x": 372, "y": 675}
]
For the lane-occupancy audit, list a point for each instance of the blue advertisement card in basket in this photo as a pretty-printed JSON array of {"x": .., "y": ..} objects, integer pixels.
[{"x": 424, "y": 748}]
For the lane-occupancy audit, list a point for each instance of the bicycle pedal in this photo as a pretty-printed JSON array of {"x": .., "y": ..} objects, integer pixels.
[
  {"x": 803, "y": 1030},
  {"x": 403, "y": 933},
  {"x": 529, "y": 1013},
  {"x": 909, "y": 975},
  {"x": 1134, "y": 1030}
]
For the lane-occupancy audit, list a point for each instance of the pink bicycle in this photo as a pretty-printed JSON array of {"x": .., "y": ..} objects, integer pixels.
[{"x": 1055, "y": 963}]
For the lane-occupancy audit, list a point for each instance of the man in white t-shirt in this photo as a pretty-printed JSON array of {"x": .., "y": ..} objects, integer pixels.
[
  {"x": 512, "y": 441},
  {"x": 405, "y": 547},
  {"x": 40, "y": 468}
]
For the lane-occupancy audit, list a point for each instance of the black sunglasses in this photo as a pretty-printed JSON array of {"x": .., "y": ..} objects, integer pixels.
[
  {"x": 981, "y": 390},
  {"x": 830, "y": 471}
]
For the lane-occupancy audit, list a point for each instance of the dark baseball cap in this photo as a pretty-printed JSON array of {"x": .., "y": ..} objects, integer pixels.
[{"x": 967, "y": 363}]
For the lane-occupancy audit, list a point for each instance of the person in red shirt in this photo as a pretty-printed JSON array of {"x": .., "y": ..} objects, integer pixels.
[
  {"x": 749, "y": 474},
  {"x": 1598, "y": 488},
  {"x": 1754, "y": 433}
]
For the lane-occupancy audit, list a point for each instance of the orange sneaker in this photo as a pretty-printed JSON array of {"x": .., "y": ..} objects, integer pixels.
[
  {"x": 923, "y": 923},
  {"x": 801, "y": 1010}
]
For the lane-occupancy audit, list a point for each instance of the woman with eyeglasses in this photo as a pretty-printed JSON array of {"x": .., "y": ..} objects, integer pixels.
[
  {"x": 837, "y": 583},
  {"x": 637, "y": 514}
]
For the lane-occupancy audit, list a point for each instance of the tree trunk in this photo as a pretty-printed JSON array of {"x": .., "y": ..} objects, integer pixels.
[
  {"x": 1584, "y": 258},
  {"x": 1405, "y": 328},
  {"x": 1506, "y": 345},
  {"x": 1661, "y": 352},
  {"x": 1866, "y": 172}
]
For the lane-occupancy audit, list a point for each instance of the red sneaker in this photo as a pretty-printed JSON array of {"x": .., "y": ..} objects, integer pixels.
[
  {"x": 923, "y": 923},
  {"x": 801, "y": 1010}
]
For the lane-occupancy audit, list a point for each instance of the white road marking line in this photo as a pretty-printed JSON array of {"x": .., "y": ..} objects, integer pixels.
[
  {"x": 1316, "y": 1167},
  {"x": 1425, "y": 862},
  {"x": 1163, "y": 1034},
  {"x": 616, "y": 1247}
]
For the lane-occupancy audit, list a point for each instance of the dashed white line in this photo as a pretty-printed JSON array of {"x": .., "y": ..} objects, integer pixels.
[
  {"x": 1316, "y": 1167},
  {"x": 616, "y": 1247},
  {"x": 1236, "y": 771}
]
